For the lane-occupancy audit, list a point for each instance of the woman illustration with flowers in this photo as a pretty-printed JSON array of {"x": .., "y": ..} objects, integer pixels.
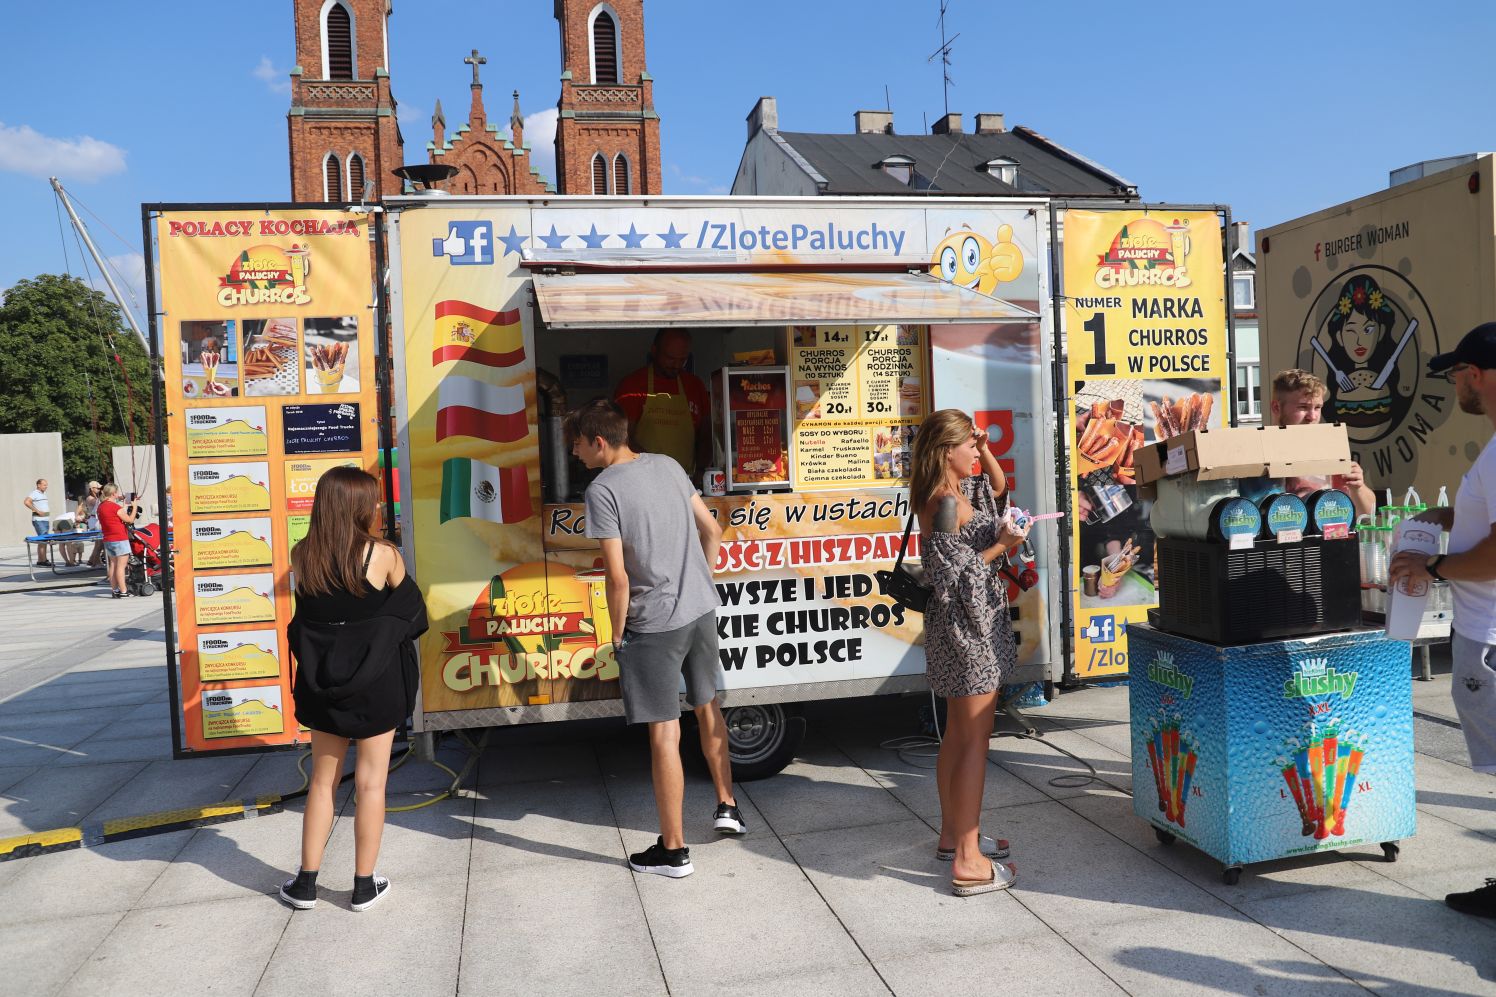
[{"x": 1361, "y": 343}]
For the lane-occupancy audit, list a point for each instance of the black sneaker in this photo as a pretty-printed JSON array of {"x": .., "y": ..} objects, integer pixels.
[
  {"x": 1481, "y": 902},
  {"x": 367, "y": 895},
  {"x": 728, "y": 819},
  {"x": 657, "y": 860},
  {"x": 299, "y": 892}
]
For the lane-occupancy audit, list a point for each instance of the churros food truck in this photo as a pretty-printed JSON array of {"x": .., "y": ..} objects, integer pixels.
[{"x": 822, "y": 332}]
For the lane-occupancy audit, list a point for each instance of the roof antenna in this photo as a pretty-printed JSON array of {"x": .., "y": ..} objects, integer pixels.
[
  {"x": 887, "y": 101},
  {"x": 944, "y": 52}
]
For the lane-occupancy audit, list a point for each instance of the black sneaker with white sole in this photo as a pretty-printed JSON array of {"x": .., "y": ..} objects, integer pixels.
[
  {"x": 369, "y": 890},
  {"x": 728, "y": 819},
  {"x": 657, "y": 860},
  {"x": 300, "y": 892}
]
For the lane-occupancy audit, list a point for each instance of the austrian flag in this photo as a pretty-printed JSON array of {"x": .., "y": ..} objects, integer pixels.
[
  {"x": 474, "y": 490},
  {"x": 465, "y": 407},
  {"x": 463, "y": 331}
]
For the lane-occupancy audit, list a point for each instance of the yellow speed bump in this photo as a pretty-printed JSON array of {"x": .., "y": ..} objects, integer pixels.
[
  {"x": 125, "y": 828},
  {"x": 23, "y": 845}
]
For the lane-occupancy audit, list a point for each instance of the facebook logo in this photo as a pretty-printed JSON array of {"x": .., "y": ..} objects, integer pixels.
[
  {"x": 1102, "y": 630},
  {"x": 467, "y": 244}
]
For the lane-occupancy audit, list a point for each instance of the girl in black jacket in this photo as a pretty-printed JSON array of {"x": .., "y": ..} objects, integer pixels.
[{"x": 357, "y": 613}]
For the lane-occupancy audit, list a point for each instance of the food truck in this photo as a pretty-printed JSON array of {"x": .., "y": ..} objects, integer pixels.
[
  {"x": 823, "y": 330},
  {"x": 1364, "y": 293}
]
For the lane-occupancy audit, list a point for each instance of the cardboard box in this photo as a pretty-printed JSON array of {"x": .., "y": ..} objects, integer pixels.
[{"x": 1273, "y": 451}]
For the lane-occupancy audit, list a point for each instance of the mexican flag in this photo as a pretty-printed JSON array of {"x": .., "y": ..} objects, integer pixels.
[{"x": 475, "y": 490}]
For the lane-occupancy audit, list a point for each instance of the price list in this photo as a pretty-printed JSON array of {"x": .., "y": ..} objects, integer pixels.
[{"x": 859, "y": 392}]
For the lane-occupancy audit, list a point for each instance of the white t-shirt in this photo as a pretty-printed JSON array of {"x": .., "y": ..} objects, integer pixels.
[
  {"x": 1474, "y": 513},
  {"x": 39, "y": 507}
]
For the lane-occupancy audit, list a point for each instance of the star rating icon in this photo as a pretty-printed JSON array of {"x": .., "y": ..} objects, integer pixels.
[{"x": 592, "y": 238}]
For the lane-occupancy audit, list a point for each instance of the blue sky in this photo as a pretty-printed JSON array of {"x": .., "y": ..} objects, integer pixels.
[{"x": 1275, "y": 108}]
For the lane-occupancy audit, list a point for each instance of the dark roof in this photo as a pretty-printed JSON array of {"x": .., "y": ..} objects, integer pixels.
[{"x": 953, "y": 164}]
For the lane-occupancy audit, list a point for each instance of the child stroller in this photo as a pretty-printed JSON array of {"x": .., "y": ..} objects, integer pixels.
[{"x": 147, "y": 553}]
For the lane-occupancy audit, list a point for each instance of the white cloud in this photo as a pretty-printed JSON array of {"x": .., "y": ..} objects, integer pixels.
[
  {"x": 275, "y": 79},
  {"x": 80, "y": 160},
  {"x": 410, "y": 115},
  {"x": 700, "y": 183},
  {"x": 540, "y": 132}
]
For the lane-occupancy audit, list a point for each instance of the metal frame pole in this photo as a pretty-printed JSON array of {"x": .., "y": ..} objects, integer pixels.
[
  {"x": 1063, "y": 484},
  {"x": 158, "y": 414}
]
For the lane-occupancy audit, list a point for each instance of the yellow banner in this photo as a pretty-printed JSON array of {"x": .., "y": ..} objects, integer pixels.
[
  {"x": 1145, "y": 319},
  {"x": 261, "y": 310}
]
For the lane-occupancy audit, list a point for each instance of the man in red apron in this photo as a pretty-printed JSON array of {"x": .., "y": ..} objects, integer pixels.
[{"x": 668, "y": 408}]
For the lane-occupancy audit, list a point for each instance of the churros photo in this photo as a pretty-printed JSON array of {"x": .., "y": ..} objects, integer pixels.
[{"x": 331, "y": 348}]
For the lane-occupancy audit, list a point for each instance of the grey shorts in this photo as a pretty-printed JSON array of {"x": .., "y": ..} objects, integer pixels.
[
  {"x": 650, "y": 667},
  {"x": 1473, "y": 687}
]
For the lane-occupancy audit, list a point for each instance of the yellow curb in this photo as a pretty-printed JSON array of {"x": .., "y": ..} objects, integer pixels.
[{"x": 184, "y": 816}]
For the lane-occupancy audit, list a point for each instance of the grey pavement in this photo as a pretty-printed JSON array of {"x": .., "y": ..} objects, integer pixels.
[{"x": 520, "y": 885}]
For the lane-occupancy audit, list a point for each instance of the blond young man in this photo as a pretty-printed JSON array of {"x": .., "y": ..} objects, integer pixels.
[{"x": 1299, "y": 400}]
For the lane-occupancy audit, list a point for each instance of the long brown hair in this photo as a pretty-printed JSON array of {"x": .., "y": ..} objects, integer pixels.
[
  {"x": 331, "y": 555},
  {"x": 950, "y": 427}
]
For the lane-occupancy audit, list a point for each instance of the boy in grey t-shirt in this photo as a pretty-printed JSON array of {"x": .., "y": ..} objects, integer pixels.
[{"x": 658, "y": 541}]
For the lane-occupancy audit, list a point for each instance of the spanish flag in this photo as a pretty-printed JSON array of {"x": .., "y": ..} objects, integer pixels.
[{"x": 463, "y": 331}]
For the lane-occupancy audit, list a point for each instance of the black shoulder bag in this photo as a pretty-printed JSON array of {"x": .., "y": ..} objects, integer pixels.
[{"x": 906, "y": 586}]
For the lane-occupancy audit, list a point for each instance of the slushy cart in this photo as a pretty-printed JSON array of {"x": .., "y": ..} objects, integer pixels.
[{"x": 1249, "y": 748}]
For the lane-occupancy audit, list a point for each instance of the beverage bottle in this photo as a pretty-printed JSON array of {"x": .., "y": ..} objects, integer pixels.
[{"x": 1407, "y": 599}]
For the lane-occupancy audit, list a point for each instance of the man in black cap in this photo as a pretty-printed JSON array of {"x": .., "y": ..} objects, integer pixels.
[{"x": 1470, "y": 569}]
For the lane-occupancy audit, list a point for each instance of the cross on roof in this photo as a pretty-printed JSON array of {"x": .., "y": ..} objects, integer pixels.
[{"x": 475, "y": 60}]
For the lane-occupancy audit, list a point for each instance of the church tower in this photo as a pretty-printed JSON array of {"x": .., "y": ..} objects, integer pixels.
[
  {"x": 607, "y": 133},
  {"x": 344, "y": 139}
]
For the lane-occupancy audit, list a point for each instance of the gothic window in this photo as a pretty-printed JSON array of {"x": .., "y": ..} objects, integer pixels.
[
  {"x": 620, "y": 174},
  {"x": 337, "y": 41},
  {"x": 355, "y": 177},
  {"x": 332, "y": 178},
  {"x": 604, "y": 47},
  {"x": 599, "y": 174}
]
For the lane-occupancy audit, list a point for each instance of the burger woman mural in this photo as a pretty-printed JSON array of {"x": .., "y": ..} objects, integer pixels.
[
  {"x": 1366, "y": 334},
  {"x": 1363, "y": 357}
]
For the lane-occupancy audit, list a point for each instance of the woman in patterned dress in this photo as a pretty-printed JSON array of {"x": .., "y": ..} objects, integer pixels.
[{"x": 968, "y": 636}]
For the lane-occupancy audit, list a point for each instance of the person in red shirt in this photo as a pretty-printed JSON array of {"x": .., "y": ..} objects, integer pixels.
[
  {"x": 667, "y": 406},
  {"x": 113, "y": 518}
]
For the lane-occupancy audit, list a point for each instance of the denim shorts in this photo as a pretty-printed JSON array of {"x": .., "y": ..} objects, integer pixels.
[
  {"x": 117, "y": 548},
  {"x": 41, "y": 527}
]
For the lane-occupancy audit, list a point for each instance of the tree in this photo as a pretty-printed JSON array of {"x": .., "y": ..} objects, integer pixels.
[{"x": 58, "y": 344}]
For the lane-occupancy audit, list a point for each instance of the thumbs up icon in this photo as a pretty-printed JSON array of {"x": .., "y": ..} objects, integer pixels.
[{"x": 453, "y": 245}]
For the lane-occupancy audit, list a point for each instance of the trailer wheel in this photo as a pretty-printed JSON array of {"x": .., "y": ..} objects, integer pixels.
[{"x": 762, "y": 739}]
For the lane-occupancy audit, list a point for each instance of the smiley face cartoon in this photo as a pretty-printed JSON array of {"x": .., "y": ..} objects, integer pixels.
[{"x": 968, "y": 259}]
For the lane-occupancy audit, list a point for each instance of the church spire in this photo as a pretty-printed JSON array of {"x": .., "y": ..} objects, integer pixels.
[
  {"x": 517, "y": 123},
  {"x": 476, "y": 117},
  {"x": 439, "y": 125}
]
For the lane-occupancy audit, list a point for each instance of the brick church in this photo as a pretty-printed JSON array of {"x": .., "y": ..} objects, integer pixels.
[{"x": 345, "y": 140}]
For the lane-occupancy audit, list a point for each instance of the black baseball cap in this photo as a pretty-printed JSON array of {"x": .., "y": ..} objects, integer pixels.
[{"x": 1478, "y": 349}]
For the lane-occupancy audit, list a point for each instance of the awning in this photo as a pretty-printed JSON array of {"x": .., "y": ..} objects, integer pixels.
[{"x": 652, "y": 300}]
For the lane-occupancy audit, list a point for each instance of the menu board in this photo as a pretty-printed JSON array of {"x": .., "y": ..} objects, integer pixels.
[
  {"x": 267, "y": 326},
  {"x": 859, "y": 394},
  {"x": 758, "y": 427}
]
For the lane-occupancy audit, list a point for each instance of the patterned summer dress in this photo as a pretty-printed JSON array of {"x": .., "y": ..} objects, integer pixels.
[{"x": 968, "y": 635}]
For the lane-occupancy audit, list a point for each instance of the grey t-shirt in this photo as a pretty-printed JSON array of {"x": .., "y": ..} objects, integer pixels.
[{"x": 646, "y": 503}]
